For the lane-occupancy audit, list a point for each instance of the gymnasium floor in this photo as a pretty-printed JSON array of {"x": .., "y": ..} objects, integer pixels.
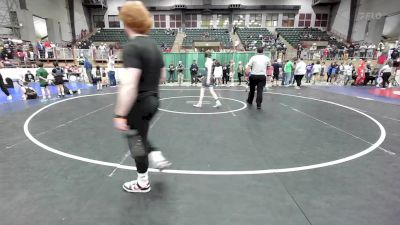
[{"x": 310, "y": 156}]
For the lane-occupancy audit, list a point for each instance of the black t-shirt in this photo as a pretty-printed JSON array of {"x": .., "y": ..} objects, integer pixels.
[
  {"x": 395, "y": 54},
  {"x": 194, "y": 68},
  {"x": 276, "y": 67},
  {"x": 143, "y": 53},
  {"x": 172, "y": 68}
]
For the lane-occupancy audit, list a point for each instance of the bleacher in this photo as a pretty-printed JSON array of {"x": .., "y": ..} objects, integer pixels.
[
  {"x": 220, "y": 35},
  {"x": 296, "y": 35},
  {"x": 251, "y": 35},
  {"x": 118, "y": 35}
]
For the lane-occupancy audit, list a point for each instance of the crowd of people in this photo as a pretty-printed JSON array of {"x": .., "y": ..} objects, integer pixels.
[
  {"x": 270, "y": 43},
  {"x": 385, "y": 73},
  {"x": 334, "y": 66},
  {"x": 59, "y": 76},
  {"x": 339, "y": 51}
]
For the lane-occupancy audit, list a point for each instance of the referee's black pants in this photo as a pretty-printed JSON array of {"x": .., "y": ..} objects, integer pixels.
[{"x": 258, "y": 81}]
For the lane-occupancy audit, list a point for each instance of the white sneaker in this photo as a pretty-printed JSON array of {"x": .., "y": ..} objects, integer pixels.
[
  {"x": 134, "y": 187},
  {"x": 79, "y": 91},
  {"x": 390, "y": 85},
  {"x": 198, "y": 105},
  {"x": 9, "y": 97},
  {"x": 297, "y": 87},
  {"x": 217, "y": 104},
  {"x": 158, "y": 161}
]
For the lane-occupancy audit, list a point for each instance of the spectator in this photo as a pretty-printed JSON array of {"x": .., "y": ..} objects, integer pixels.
[
  {"x": 240, "y": 71},
  {"x": 363, "y": 50},
  {"x": 97, "y": 78},
  {"x": 58, "y": 74},
  {"x": 29, "y": 77},
  {"x": 360, "y": 73},
  {"x": 381, "y": 48},
  {"x": 88, "y": 67},
  {"x": 368, "y": 74},
  {"x": 217, "y": 72},
  {"x": 299, "y": 50},
  {"x": 111, "y": 70},
  {"x": 276, "y": 66},
  {"x": 299, "y": 72},
  {"x": 42, "y": 75},
  {"x": 225, "y": 73},
  {"x": 171, "y": 70},
  {"x": 351, "y": 50},
  {"x": 371, "y": 50},
  {"x": 180, "y": 68},
  {"x": 316, "y": 71},
  {"x": 385, "y": 73},
  {"x": 309, "y": 72},
  {"x": 288, "y": 72},
  {"x": 194, "y": 69},
  {"x": 348, "y": 71},
  {"x": 27, "y": 92}
]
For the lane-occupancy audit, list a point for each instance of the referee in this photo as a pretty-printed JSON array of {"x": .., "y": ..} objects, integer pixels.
[{"x": 258, "y": 65}]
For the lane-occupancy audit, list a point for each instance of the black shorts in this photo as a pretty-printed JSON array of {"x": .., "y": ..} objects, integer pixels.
[
  {"x": 276, "y": 76},
  {"x": 44, "y": 85},
  {"x": 59, "y": 81}
]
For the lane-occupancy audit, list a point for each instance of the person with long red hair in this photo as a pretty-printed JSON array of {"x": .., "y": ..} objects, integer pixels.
[{"x": 138, "y": 97}]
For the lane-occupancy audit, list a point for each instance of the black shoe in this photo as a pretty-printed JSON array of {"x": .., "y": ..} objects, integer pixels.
[
  {"x": 259, "y": 107},
  {"x": 248, "y": 102}
]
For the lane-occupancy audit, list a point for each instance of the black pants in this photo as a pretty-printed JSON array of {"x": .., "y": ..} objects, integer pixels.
[
  {"x": 225, "y": 79},
  {"x": 240, "y": 78},
  {"x": 385, "y": 78},
  {"x": 258, "y": 81},
  {"x": 329, "y": 78},
  {"x": 3, "y": 86},
  {"x": 298, "y": 79},
  {"x": 171, "y": 77},
  {"x": 139, "y": 120},
  {"x": 368, "y": 78},
  {"x": 193, "y": 77}
]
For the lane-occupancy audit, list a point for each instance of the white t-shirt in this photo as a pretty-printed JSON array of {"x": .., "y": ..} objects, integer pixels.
[
  {"x": 385, "y": 69},
  {"x": 316, "y": 68},
  {"x": 110, "y": 64},
  {"x": 300, "y": 68},
  {"x": 218, "y": 72},
  {"x": 348, "y": 70},
  {"x": 258, "y": 64}
]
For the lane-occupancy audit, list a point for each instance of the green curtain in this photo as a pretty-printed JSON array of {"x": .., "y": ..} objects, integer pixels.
[{"x": 223, "y": 57}]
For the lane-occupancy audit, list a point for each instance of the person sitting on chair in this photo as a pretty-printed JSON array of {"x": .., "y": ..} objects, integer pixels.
[{"x": 29, "y": 77}]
